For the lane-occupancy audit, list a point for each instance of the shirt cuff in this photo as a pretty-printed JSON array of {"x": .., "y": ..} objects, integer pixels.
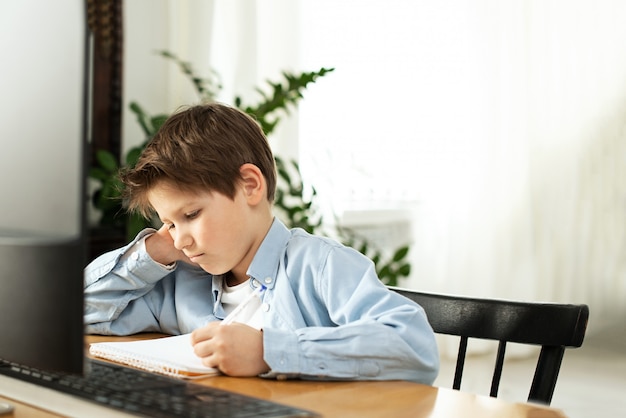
[{"x": 281, "y": 354}]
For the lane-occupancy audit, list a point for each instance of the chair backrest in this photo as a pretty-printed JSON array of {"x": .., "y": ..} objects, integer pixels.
[{"x": 552, "y": 326}]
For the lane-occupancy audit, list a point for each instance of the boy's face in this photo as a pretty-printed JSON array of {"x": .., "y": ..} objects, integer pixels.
[{"x": 212, "y": 230}]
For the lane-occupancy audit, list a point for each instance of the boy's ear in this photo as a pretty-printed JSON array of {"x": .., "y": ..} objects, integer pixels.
[{"x": 253, "y": 182}]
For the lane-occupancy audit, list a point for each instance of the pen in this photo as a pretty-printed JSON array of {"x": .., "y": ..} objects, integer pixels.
[{"x": 244, "y": 303}]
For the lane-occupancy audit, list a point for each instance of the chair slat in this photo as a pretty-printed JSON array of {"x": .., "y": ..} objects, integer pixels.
[
  {"x": 497, "y": 372},
  {"x": 460, "y": 363}
]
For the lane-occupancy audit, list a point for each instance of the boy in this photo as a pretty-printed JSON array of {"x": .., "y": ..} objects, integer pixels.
[{"x": 209, "y": 175}]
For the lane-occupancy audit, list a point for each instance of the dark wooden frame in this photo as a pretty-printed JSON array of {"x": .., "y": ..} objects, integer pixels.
[{"x": 104, "y": 18}]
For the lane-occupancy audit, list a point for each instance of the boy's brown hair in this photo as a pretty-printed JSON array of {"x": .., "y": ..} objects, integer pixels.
[{"x": 198, "y": 148}]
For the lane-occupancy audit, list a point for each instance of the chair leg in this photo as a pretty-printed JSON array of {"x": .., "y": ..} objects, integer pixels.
[
  {"x": 497, "y": 372},
  {"x": 460, "y": 363}
]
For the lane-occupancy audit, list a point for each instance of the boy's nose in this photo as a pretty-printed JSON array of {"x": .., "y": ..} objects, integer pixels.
[{"x": 181, "y": 240}]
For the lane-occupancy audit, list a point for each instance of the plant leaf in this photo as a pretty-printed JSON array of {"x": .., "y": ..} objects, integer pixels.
[
  {"x": 400, "y": 253},
  {"x": 107, "y": 161}
]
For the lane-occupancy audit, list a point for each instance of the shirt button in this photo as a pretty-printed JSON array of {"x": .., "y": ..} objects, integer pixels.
[
  {"x": 134, "y": 256},
  {"x": 268, "y": 280},
  {"x": 265, "y": 307}
]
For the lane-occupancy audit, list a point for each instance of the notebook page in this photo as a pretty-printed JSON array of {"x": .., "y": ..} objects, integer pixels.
[{"x": 172, "y": 356}]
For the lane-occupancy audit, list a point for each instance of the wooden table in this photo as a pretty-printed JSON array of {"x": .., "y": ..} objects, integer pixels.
[{"x": 356, "y": 399}]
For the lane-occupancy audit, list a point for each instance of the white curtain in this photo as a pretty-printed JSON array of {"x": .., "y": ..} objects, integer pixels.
[
  {"x": 499, "y": 125},
  {"x": 503, "y": 124}
]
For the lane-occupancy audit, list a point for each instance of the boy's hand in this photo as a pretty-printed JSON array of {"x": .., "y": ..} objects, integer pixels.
[
  {"x": 160, "y": 246},
  {"x": 235, "y": 349}
]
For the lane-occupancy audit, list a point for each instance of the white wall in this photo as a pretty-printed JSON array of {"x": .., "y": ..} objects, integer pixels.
[{"x": 41, "y": 115}]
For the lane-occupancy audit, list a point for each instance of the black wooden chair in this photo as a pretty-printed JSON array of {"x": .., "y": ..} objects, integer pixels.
[{"x": 552, "y": 326}]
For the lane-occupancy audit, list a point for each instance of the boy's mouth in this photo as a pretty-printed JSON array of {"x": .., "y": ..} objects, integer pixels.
[{"x": 195, "y": 256}]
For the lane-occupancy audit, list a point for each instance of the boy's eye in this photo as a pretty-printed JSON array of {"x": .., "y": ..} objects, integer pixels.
[
  {"x": 170, "y": 227},
  {"x": 192, "y": 215}
]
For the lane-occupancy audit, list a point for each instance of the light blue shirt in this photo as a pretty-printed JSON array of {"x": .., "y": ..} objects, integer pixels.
[{"x": 326, "y": 313}]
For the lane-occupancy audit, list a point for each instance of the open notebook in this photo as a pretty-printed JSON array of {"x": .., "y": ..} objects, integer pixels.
[{"x": 172, "y": 356}]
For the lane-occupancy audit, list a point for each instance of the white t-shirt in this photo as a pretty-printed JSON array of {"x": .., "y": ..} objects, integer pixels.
[{"x": 252, "y": 314}]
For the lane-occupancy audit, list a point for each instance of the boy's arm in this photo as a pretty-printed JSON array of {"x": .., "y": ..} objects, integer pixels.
[
  {"x": 363, "y": 350},
  {"x": 116, "y": 280},
  {"x": 373, "y": 334}
]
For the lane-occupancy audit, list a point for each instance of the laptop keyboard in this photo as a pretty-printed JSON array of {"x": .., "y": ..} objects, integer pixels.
[{"x": 148, "y": 394}]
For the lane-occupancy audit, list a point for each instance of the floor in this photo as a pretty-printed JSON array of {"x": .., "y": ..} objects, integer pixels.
[{"x": 592, "y": 380}]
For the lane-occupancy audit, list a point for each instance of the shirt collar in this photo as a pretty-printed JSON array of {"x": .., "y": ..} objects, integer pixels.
[{"x": 264, "y": 266}]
